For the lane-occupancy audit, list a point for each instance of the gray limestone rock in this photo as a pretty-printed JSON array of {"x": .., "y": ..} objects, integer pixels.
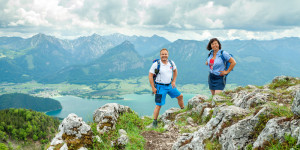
[
  {"x": 169, "y": 115},
  {"x": 196, "y": 100},
  {"x": 277, "y": 128},
  {"x": 246, "y": 100},
  {"x": 107, "y": 116},
  {"x": 72, "y": 128},
  {"x": 211, "y": 130},
  {"x": 296, "y": 104},
  {"x": 121, "y": 142},
  {"x": 238, "y": 135}
]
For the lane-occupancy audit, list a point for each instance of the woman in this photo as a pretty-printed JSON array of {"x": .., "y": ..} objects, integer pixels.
[{"x": 217, "y": 72}]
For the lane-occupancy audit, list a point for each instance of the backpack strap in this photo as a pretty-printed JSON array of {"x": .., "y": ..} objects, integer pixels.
[
  {"x": 210, "y": 53},
  {"x": 224, "y": 61},
  {"x": 172, "y": 68},
  {"x": 158, "y": 65}
]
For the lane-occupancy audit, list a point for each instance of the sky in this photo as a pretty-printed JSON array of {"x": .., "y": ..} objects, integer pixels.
[{"x": 172, "y": 19}]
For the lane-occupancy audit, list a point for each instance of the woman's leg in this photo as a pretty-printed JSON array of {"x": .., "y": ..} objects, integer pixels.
[
  {"x": 212, "y": 92},
  {"x": 218, "y": 91}
]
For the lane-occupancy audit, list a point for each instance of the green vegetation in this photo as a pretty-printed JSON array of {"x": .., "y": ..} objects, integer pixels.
[
  {"x": 289, "y": 143},
  {"x": 284, "y": 83},
  {"x": 26, "y": 125},
  {"x": 212, "y": 145},
  {"x": 281, "y": 111},
  {"x": 18, "y": 100},
  {"x": 132, "y": 124}
]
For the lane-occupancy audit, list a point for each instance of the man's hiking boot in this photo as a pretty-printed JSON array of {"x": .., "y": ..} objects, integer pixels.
[{"x": 154, "y": 123}]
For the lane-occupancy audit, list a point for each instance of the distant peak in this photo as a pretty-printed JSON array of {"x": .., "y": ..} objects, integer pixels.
[
  {"x": 95, "y": 35},
  {"x": 126, "y": 42},
  {"x": 39, "y": 35},
  {"x": 154, "y": 35}
]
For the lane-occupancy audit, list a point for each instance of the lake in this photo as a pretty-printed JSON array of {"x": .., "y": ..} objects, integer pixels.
[{"x": 143, "y": 104}]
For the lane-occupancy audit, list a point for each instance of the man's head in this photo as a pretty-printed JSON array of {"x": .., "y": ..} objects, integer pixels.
[{"x": 164, "y": 54}]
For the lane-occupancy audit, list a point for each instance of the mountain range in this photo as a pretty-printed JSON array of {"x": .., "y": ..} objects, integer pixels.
[{"x": 95, "y": 58}]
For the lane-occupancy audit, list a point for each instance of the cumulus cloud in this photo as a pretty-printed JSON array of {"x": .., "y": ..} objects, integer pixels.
[{"x": 190, "y": 19}]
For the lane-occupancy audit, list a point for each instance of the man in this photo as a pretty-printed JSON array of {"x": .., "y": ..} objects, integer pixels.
[{"x": 164, "y": 84}]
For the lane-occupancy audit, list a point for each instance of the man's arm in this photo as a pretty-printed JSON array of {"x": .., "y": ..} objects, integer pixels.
[
  {"x": 152, "y": 83},
  {"x": 174, "y": 78}
]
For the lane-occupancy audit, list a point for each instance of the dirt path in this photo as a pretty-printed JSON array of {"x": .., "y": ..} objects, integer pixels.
[{"x": 159, "y": 141}]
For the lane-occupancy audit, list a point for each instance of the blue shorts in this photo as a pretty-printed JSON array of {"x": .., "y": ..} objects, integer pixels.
[{"x": 162, "y": 91}]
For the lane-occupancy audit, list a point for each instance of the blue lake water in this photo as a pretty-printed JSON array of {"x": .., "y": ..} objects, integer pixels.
[{"x": 143, "y": 104}]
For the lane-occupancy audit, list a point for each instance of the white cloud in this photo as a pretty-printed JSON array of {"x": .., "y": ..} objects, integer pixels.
[{"x": 173, "y": 19}]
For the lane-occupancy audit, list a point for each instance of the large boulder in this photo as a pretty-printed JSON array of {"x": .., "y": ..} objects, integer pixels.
[
  {"x": 196, "y": 100},
  {"x": 238, "y": 135},
  {"x": 169, "y": 115},
  {"x": 246, "y": 100},
  {"x": 296, "y": 104},
  {"x": 277, "y": 128},
  {"x": 106, "y": 116},
  {"x": 73, "y": 132},
  {"x": 213, "y": 129}
]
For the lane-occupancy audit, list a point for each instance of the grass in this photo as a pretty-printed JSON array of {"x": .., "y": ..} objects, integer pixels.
[
  {"x": 281, "y": 111},
  {"x": 285, "y": 83},
  {"x": 212, "y": 145},
  {"x": 132, "y": 124},
  {"x": 289, "y": 143}
]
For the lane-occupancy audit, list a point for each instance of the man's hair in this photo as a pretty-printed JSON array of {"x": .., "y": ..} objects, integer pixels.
[
  {"x": 211, "y": 41},
  {"x": 164, "y": 49}
]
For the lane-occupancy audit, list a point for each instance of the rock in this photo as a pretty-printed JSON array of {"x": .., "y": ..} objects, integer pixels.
[
  {"x": 73, "y": 131},
  {"x": 190, "y": 121},
  {"x": 121, "y": 142},
  {"x": 247, "y": 100},
  {"x": 107, "y": 116},
  {"x": 196, "y": 100},
  {"x": 218, "y": 98},
  {"x": 206, "y": 113},
  {"x": 251, "y": 86},
  {"x": 98, "y": 139},
  {"x": 278, "y": 78},
  {"x": 296, "y": 104},
  {"x": 238, "y": 135},
  {"x": 169, "y": 115},
  {"x": 277, "y": 128},
  {"x": 212, "y": 129},
  {"x": 200, "y": 108}
]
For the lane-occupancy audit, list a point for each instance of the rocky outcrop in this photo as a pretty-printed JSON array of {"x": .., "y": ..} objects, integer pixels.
[
  {"x": 244, "y": 118},
  {"x": 73, "y": 132},
  {"x": 239, "y": 134},
  {"x": 106, "y": 116},
  {"x": 296, "y": 104},
  {"x": 196, "y": 100},
  {"x": 121, "y": 142},
  {"x": 246, "y": 100},
  {"x": 213, "y": 129},
  {"x": 277, "y": 128}
]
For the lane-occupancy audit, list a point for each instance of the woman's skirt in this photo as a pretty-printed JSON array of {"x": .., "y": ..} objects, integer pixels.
[{"x": 216, "y": 82}]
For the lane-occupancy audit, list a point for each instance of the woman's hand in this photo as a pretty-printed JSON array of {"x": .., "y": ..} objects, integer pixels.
[{"x": 222, "y": 73}]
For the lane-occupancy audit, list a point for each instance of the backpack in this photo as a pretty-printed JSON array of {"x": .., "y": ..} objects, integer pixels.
[
  {"x": 226, "y": 63},
  {"x": 156, "y": 71}
]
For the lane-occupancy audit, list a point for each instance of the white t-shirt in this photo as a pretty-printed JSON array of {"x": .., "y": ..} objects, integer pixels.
[{"x": 165, "y": 72}]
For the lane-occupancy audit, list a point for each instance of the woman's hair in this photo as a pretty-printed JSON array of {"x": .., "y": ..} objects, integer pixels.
[{"x": 211, "y": 41}]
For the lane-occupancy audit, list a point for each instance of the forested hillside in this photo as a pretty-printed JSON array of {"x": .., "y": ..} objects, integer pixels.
[
  {"x": 26, "y": 125},
  {"x": 19, "y": 100}
]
